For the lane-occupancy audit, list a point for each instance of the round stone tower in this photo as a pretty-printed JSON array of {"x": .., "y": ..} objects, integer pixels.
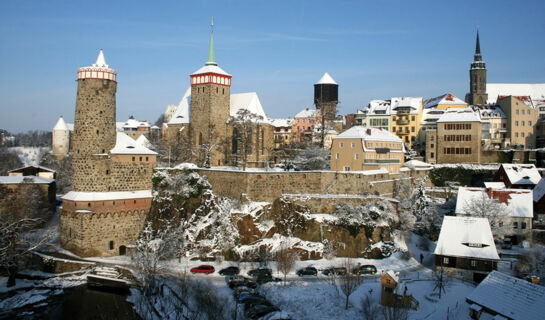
[
  {"x": 94, "y": 126},
  {"x": 326, "y": 96}
]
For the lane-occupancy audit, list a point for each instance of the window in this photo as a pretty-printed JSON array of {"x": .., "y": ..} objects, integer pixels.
[
  {"x": 529, "y": 123},
  {"x": 133, "y": 158},
  {"x": 336, "y": 156},
  {"x": 431, "y": 155},
  {"x": 515, "y": 225},
  {"x": 140, "y": 158},
  {"x": 346, "y": 168},
  {"x": 523, "y": 123},
  {"x": 522, "y": 134},
  {"x": 412, "y": 118},
  {"x": 473, "y": 263},
  {"x": 412, "y": 129},
  {"x": 516, "y": 134},
  {"x": 352, "y": 144},
  {"x": 341, "y": 144},
  {"x": 523, "y": 225},
  {"x": 147, "y": 158},
  {"x": 107, "y": 172},
  {"x": 357, "y": 156},
  {"x": 517, "y": 112},
  {"x": 111, "y": 245},
  {"x": 445, "y": 260}
]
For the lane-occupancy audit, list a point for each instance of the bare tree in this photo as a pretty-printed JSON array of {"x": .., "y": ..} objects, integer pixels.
[
  {"x": 286, "y": 259},
  {"x": 17, "y": 240},
  {"x": 393, "y": 313},
  {"x": 369, "y": 309},
  {"x": 532, "y": 263},
  {"x": 350, "y": 281},
  {"x": 313, "y": 158},
  {"x": 490, "y": 208},
  {"x": 151, "y": 247},
  {"x": 441, "y": 281},
  {"x": 245, "y": 126}
]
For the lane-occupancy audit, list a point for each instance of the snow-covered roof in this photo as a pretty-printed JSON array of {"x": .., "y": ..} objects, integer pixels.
[
  {"x": 430, "y": 116},
  {"x": 382, "y": 106},
  {"x": 518, "y": 202},
  {"x": 413, "y": 103},
  {"x": 326, "y": 79},
  {"x": 521, "y": 174},
  {"x": 491, "y": 112},
  {"x": 368, "y": 134},
  {"x": 393, "y": 275},
  {"x": 61, "y": 125},
  {"x": 143, "y": 141},
  {"x": 447, "y": 99},
  {"x": 535, "y": 90},
  {"x": 249, "y": 101},
  {"x": 286, "y": 122},
  {"x": 417, "y": 164},
  {"x": 127, "y": 145},
  {"x": 42, "y": 168},
  {"x": 307, "y": 113},
  {"x": 539, "y": 190},
  {"x": 511, "y": 297},
  {"x": 24, "y": 179},
  {"x": 494, "y": 185},
  {"x": 132, "y": 123},
  {"x": 210, "y": 68},
  {"x": 181, "y": 114},
  {"x": 104, "y": 196},
  {"x": 466, "y": 237},
  {"x": 459, "y": 115}
]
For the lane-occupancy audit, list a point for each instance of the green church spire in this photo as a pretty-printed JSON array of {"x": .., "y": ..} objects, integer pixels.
[{"x": 211, "y": 53}]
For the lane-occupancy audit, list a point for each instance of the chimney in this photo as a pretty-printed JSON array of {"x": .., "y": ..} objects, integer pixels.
[{"x": 368, "y": 131}]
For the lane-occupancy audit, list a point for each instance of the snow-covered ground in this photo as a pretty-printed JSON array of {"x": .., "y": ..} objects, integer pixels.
[{"x": 30, "y": 155}]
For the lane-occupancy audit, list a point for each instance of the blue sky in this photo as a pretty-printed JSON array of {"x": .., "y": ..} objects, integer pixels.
[{"x": 279, "y": 49}]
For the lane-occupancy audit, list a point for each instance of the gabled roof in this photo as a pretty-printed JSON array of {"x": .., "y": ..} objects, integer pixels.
[
  {"x": 61, "y": 125},
  {"x": 368, "y": 134},
  {"x": 413, "y": 103},
  {"x": 143, "y": 141},
  {"x": 181, "y": 114},
  {"x": 509, "y": 296},
  {"x": 132, "y": 123},
  {"x": 249, "y": 101},
  {"x": 307, "y": 113},
  {"x": 518, "y": 202},
  {"x": 24, "y": 179},
  {"x": 466, "y": 237},
  {"x": 521, "y": 174},
  {"x": 539, "y": 190},
  {"x": 459, "y": 115},
  {"x": 445, "y": 99},
  {"x": 127, "y": 145},
  {"x": 326, "y": 79},
  {"x": 383, "y": 106},
  {"x": 535, "y": 90},
  {"x": 40, "y": 168},
  {"x": 494, "y": 185},
  {"x": 491, "y": 112},
  {"x": 286, "y": 122}
]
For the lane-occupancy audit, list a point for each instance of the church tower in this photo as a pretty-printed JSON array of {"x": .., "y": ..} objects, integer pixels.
[
  {"x": 477, "y": 78},
  {"x": 94, "y": 126},
  {"x": 210, "y": 105}
]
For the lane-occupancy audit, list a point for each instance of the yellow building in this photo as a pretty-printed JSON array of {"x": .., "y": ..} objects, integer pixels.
[
  {"x": 406, "y": 113},
  {"x": 360, "y": 148},
  {"x": 282, "y": 132}
]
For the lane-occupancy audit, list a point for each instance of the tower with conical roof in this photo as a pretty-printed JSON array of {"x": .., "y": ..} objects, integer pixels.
[
  {"x": 60, "y": 139},
  {"x": 477, "y": 78},
  {"x": 326, "y": 96},
  {"x": 210, "y": 105}
]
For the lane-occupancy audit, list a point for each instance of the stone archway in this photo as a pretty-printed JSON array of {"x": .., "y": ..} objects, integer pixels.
[{"x": 122, "y": 250}]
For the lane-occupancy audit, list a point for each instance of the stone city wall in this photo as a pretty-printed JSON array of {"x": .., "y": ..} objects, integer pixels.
[
  {"x": 131, "y": 172},
  {"x": 268, "y": 186}
]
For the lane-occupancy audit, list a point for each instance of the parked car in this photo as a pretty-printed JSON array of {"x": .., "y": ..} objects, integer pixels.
[
  {"x": 277, "y": 315},
  {"x": 365, "y": 269},
  {"x": 206, "y": 269},
  {"x": 260, "y": 271},
  {"x": 507, "y": 243},
  {"x": 339, "y": 271},
  {"x": 229, "y": 271},
  {"x": 239, "y": 281},
  {"x": 307, "y": 271},
  {"x": 264, "y": 278},
  {"x": 243, "y": 291},
  {"x": 258, "y": 311}
]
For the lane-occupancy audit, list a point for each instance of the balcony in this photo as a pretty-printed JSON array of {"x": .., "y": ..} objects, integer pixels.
[
  {"x": 402, "y": 122},
  {"x": 402, "y": 133}
]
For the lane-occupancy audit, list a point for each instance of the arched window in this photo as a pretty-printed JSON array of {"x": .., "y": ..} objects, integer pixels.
[{"x": 200, "y": 139}]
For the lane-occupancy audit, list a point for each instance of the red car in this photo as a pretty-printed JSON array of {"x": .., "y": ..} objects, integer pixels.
[{"x": 203, "y": 269}]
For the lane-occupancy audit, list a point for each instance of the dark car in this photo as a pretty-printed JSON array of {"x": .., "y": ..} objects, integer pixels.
[
  {"x": 260, "y": 271},
  {"x": 260, "y": 310},
  {"x": 264, "y": 278},
  {"x": 206, "y": 269},
  {"x": 229, "y": 271},
  {"x": 239, "y": 281},
  {"x": 339, "y": 271},
  {"x": 365, "y": 269},
  {"x": 308, "y": 271}
]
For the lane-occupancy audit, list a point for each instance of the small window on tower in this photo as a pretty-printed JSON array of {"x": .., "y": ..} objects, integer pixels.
[
  {"x": 111, "y": 245},
  {"x": 97, "y": 132},
  {"x": 223, "y": 91}
]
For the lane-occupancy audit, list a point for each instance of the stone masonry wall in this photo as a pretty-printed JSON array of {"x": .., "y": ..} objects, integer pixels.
[
  {"x": 88, "y": 228},
  {"x": 268, "y": 186},
  {"x": 128, "y": 175},
  {"x": 94, "y": 132}
]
